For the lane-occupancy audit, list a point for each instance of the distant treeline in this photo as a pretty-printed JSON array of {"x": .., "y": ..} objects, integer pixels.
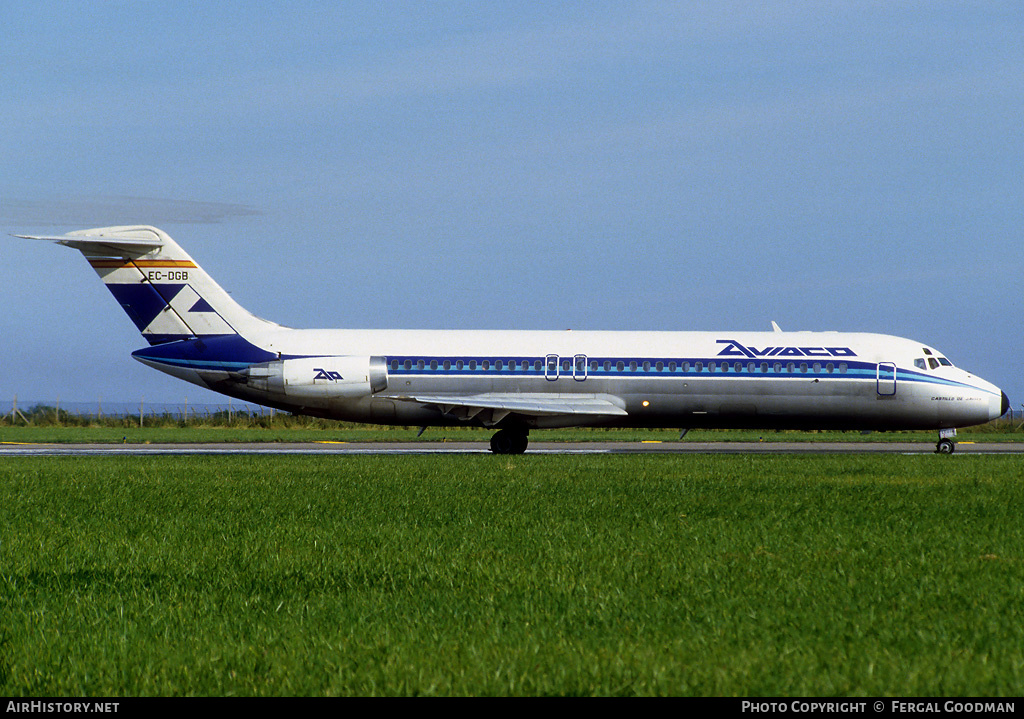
[{"x": 42, "y": 415}]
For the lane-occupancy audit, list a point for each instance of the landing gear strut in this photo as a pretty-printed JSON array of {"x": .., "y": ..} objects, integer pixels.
[{"x": 510, "y": 441}]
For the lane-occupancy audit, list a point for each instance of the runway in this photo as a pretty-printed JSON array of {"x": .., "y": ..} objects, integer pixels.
[{"x": 537, "y": 448}]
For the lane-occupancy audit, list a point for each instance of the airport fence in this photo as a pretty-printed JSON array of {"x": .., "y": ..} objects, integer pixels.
[{"x": 16, "y": 411}]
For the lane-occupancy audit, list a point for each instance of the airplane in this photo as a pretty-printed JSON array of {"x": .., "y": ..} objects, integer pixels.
[{"x": 515, "y": 381}]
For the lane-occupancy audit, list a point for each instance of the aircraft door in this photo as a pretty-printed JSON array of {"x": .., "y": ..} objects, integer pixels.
[
  {"x": 579, "y": 368},
  {"x": 551, "y": 368},
  {"x": 886, "y": 379}
]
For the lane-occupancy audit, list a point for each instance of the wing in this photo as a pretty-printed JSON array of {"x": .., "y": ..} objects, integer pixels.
[{"x": 490, "y": 408}]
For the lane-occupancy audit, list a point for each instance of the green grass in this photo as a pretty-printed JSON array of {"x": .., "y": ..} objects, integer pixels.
[
  {"x": 537, "y": 575},
  {"x": 343, "y": 432}
]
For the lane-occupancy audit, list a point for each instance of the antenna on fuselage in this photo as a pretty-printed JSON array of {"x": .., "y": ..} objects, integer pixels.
[{"x": 776, "y": 327}]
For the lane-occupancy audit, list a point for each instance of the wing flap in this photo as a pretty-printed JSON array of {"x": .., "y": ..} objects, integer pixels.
[{"x": 468, "y": 407}]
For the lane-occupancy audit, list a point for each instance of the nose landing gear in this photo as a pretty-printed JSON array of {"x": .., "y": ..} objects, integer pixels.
[{"x": 946, "y": 444}]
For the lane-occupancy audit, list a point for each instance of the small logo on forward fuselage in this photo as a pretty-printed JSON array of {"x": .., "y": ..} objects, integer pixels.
[
  {"x": 326, "y": 374},
  {"x": 735, "y": 349}
]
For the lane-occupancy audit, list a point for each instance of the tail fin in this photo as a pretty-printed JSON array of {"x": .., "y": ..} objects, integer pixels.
[{"x": 165, "y": 293}]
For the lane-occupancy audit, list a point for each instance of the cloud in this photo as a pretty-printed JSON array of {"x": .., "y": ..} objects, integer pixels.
[{"x": 112, "y": 210}]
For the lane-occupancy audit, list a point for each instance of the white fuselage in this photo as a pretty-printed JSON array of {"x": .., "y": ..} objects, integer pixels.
[{"x": 677, "y": 379}]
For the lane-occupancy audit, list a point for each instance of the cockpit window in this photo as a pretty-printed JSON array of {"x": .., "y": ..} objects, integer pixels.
[
  {"x": 919, "y": 363},
  {"x": 945, "y": 362},
  {"x": 933, "y": 363}
]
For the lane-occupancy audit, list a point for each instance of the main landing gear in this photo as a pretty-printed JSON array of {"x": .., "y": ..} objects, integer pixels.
[
  {"x": 946, "y": 444},
  {"x": 510, "y": 441}
]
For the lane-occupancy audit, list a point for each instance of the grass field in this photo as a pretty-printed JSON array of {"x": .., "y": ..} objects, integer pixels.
[
  {"x": 536, "y": 575},
  {"x": 47, "y": 424},
  {"x": 341, "y": 432}
]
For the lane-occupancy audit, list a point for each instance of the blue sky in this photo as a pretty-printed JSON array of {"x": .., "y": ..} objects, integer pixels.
[{"x": 675, "y": 166}]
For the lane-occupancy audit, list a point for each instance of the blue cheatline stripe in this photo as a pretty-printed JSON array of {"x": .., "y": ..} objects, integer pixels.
[
  {"x": 596, "y": 367},
  {"x": 434, "y": 366},
  {"x": 219, "y": 352},
  {"x": 232, "y": 353},
  {"x": 202, "y": 364}
]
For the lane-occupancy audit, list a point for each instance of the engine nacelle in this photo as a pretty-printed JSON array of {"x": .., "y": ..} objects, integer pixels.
[{"x": 344, "y": 377}]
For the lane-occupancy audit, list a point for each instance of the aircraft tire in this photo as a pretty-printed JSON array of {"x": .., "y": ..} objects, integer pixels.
[
  {"x": 945, "y": 446},
  {"x": 507, "y": 441}
]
